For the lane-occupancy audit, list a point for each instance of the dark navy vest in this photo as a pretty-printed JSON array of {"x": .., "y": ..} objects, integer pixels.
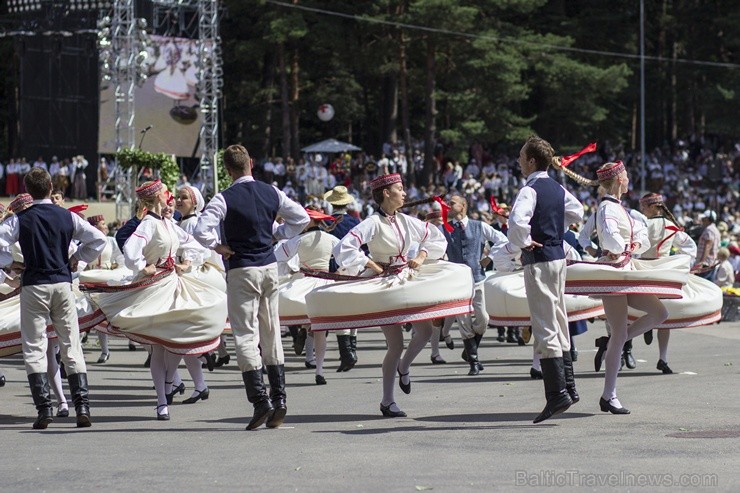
[
  {"x": 251, "y": 208},
  {"x": 547, "y": 223},
  {"x": 45, "y": 231},
  {"x": 465, "y": 246}
]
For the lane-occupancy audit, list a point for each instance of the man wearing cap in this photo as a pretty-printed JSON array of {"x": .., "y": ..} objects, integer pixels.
[
  {"x": 44, "y": 232},
  {"x": 340, "y": 199},
  {"x": 245, "y": 214},
  {"x": 706, "y": 255}
]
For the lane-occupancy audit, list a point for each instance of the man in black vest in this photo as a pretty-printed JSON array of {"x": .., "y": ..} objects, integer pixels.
[
  {"x": 245, "y": 215},
  {"x": 465, "y": 246},
  {"x": 44, "y": 232},
  {"x": 539, "y": 218}
]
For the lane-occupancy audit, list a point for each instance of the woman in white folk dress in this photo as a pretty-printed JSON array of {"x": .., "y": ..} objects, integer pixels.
[
  {"x": 425, "y": 292},
  {"x": 175, "y": 313},
  {"x": 620, "y": 236},
  {"x": 313, "y": 250}
]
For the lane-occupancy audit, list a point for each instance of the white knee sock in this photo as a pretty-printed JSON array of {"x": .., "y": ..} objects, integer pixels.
[
  {"x": 196, "y": 373},
  {"x": 319, "y": 346},
  {"x": 310, "y": 348},
  {"x": 663, "y": 336}
]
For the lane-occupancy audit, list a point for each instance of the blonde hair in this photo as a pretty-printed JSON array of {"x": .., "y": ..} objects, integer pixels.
[{"x": 723, "y": 253}]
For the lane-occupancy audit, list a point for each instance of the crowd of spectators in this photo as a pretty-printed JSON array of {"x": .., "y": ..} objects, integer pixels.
[{"x": 68, "y": 175}]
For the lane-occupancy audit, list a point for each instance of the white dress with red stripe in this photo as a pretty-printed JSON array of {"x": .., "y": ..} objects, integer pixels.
[
  {"x": 313, "y": 251},
  {"x": 506, "y": 297},
  {"x": 701, "y": 303},
  {"x": 620, "y": 234},
  {"x": 182, "y": 313},
  {"x": 10, "y": 313},
  {"x": 437, "y": 289}
]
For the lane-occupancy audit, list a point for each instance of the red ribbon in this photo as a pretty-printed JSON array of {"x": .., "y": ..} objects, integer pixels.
[
  {"x": 445, "y": 211},
  {"x": 495, "y": 207},
  {"x": 569, "y": 159},
  {"x": 170, "y": 197},
  {"x": 78, "y": 208}
]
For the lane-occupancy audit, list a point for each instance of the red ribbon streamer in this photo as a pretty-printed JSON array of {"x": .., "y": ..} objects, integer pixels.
[
  {"x": 78, "y": 208},
  {"x": 495, "y": 207},
  {"x": 445, "y": 211},
  {"x": 569, "y": 159}
]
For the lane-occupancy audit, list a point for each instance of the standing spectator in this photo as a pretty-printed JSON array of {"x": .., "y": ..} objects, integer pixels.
[
  {"x": 280, "y": 172},
  {"x": 40, "y": 163},
  {"x": 725, "y": 277},
  {"x": 23, "y": 168},
  {"x": 80, "y": 181},
  {"x": 102, "y": 178},
  {"x": 268, "y": 170},
  {"x": 708, "y": 247}
]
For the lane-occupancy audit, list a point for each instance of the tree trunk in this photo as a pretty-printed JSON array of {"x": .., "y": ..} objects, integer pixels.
[
  {"x": 390, "y": 108},
  {"x": 295, "y": 106},
  {"x": 430, "y": 126},
  {"x": 284, "y": 103},
  {"x": 268, "y": 82}
]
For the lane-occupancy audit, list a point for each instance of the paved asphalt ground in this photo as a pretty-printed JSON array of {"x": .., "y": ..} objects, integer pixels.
[{"x": 462, "y": 434}]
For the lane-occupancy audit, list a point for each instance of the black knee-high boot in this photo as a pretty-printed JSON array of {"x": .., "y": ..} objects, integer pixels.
[
  {"x": 347, "y": 361},
  {"x": 40, "y": 392},
  {"x": 257, "y": 395},
  {"x": 478, "y": 339},
  {"x": 557, "y": 396},
  {"x": 353, "y": 347},
  {"x": 471, "y": 348},
  {"x": 570, "y": 378},
  {"x": 276, "y": 375},
  {"x": 78, "y": 389}
]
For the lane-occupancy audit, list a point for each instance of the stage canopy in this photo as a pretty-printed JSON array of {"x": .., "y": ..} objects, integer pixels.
[{"x": 330, "y": 146}]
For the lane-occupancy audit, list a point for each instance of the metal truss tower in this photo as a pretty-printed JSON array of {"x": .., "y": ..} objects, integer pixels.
[
  {"x": 209, "y": 88},
  {"x": 123, "y": 77}
]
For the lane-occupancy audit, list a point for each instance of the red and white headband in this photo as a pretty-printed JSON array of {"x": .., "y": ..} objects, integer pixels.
[
  {"x": 610, "y": 171},
  {"x": 385, "y": 180},
  {"x": 149, "y": 190}
]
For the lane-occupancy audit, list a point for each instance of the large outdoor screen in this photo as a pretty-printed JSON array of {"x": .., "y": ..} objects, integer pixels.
[{"x": 167, "y": 101}]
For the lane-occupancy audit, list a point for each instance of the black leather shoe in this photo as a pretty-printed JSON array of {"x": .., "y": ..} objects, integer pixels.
[
  {"x": 386, "y": 410},
  {"x": 438, "y": 360},
  {"x": 629, "y": 360},
  {"x": 131, "y": 346},
  {"x": 608, "y": 408},
  {"x": 221, "y": 361},
  {"x": 180, "y": 388},
  {"x": 648, "y": 336},
  {"x": 2, "y": 381},
  {"x": 663, "y": 366},
  {"x": 535, "y": 374},
  {"x": 103, "y": 358},
  {"x": 449, "y": 342},
  {"x": 148, "y": 361},
  {"x": 62, "y": 412},
  {"x": 203, "y": 395},
  {"x": 210, "y": 361},
  {"x": 320, "y": 380},
  {"x": 310, "y": 364},
  {"x": 163, "y": 416},
  {"x": 405, "y": 387}
]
